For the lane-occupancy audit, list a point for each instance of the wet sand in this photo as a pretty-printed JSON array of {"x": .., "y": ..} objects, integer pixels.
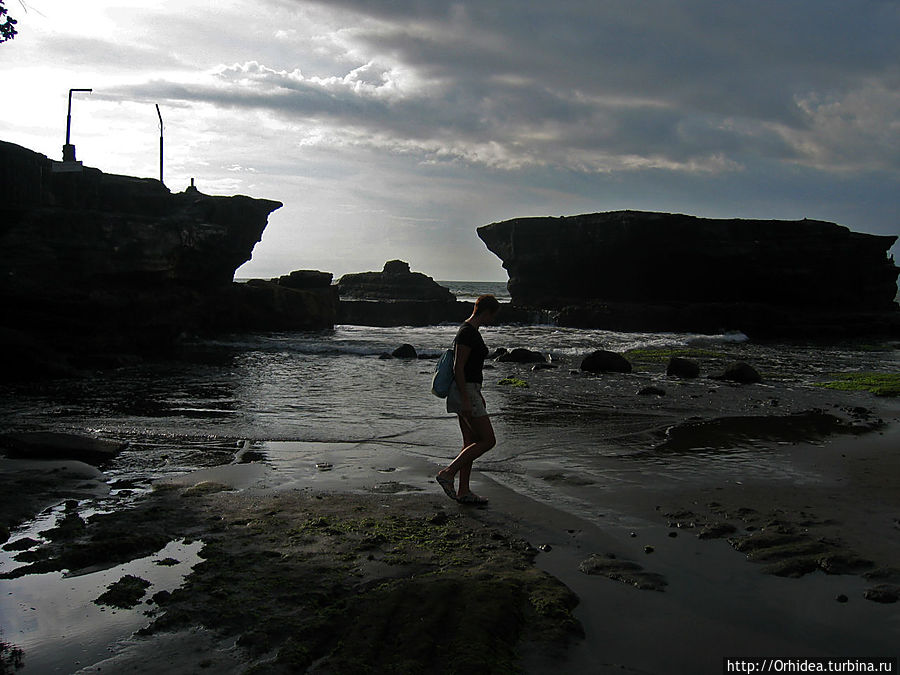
[{"x": 275, "y": 516}]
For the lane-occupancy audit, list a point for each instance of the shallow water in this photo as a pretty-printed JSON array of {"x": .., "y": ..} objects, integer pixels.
[
  {"x": 331, "y": 386},
  {"x": 292, "y": 401},
  {"x": 62, "y": 631}
]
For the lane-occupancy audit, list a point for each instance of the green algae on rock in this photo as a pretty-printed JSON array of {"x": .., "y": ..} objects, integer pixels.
[
  {"x": 880, "y": 384},
  {"x": 299, "y": 578}
]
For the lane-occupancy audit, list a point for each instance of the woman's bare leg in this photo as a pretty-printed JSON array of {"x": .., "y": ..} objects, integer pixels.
[
  {"x": 465, "y": 470},
  {"x": 483, "y": 440}
]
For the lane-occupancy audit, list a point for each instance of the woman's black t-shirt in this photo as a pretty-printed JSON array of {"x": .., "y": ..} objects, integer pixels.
[{"x": 469, "y": 336}]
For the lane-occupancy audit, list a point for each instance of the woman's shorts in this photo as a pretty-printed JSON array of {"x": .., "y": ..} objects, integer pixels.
[{"x": 454, "y": 401}]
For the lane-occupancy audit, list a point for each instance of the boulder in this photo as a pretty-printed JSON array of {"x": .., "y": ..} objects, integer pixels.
[
  {"x": 394, "y": 282},
  {"x": 602, "y": 361},
  {"x": 51, "y": 445},
  {"x": 681, "y": 367},
  {"x": 405, "y": 351},
  {"x": 740, "y": 372},
  {"x": 521, "y": 355}
]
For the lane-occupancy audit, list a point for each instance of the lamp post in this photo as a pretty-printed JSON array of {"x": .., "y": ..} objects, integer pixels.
[
  {"x": 68, "y": 148},
  {"x": 159, "y": 114}
]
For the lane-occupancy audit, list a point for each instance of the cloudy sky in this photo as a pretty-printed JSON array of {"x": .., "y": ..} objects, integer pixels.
[{"x": 394, "y": 128}]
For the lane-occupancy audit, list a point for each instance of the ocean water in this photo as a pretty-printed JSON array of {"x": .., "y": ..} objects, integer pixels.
[
  {"x": 331, "y": 386},
  {"x": 470, "y": 290}
]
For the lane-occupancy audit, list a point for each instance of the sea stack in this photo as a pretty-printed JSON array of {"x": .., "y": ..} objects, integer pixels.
[{"x": 658, "y": 271}]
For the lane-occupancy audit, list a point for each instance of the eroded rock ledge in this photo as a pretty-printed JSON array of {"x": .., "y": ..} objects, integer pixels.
[
  {"x": 631, "y": 270},
  {"x": 99, "y": 264}
]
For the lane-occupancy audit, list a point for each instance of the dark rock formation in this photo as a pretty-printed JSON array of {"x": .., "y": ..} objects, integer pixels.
[
  {"x": 631, "y": 270},
  {"x": 405, "y": 351},
  {"x": 521, "y": 355},
  {"x": 602, "y": 361},
  {"x": 397, "y": 297},
  {"x": 740, "y": 372},
  {"x": 394, "y": 282},
  {"x": 626, "y": 571},
  {"x": 306, "y": 279},
  {"x": 270, "y": 305},
  {"x": 651, "y": 391},
  {"x": 93, "y": 263},
  {"x": 51, "y": 445},
  {"x": 681, "y": 367}
]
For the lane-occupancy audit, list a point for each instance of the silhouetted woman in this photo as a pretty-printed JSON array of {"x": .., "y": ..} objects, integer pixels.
[{"x": 466, "y": 401}]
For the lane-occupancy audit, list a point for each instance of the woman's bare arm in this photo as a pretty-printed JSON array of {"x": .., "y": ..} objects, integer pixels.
[{"x": 459, "y": 375}]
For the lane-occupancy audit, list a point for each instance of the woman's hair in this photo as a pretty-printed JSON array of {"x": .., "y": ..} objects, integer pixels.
[{"x": 486, "y": 303}]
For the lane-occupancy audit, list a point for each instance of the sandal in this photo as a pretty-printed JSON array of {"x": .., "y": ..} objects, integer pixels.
[
  {"x": 447, "y": 485},
  {"x": 472, "y": 498}
]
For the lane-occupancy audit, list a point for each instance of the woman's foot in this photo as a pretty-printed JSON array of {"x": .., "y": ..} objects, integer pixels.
[
  {"x": 471, "y": 498},
  {"x": 445, "y": 480}
]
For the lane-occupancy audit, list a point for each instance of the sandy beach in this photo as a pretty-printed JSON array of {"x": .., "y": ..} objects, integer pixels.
[{"x": 367, "y": 567}]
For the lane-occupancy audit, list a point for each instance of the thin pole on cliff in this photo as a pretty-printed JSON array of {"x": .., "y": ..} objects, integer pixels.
[
  {"x": 160, "y": 144},
  {"x": 68, "y": 150}
]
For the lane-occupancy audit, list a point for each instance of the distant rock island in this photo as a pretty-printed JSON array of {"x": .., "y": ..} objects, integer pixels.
[
  {"x": 632, "y": 270},
  {"x": 397, "y": 296},
  {"x": 394, "y": 282},
  {"x": 93, "y": 265}
]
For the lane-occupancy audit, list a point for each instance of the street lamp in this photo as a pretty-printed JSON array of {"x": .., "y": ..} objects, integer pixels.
[
  {"x": 160, "y": 144},
  {"x": 68, "y": 148}
]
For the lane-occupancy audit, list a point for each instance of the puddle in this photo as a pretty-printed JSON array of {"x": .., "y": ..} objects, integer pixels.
[{"x": 54, "y": 620}]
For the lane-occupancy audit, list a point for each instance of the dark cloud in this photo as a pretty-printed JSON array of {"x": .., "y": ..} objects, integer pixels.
[{"x": 697, "y": 85}]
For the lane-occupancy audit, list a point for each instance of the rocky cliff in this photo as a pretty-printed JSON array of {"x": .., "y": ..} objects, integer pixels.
[
  {"x": 657, "y": 271},
  {"x": 98, "y": 263}
]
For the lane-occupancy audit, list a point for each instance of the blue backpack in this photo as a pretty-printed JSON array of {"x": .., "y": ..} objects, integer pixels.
[{"x": 443, "y": 375}]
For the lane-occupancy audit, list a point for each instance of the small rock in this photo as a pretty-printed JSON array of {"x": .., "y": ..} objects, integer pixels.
[
  {"x": 520, "y": 355},
  {"x": 842, "y": 598},
  {"x": 884, "y": 593},
  {"x": 652, "y": 391},
  {"x": 385, "y": 357},
  {"x": 632, "y": 534},
  {"x": 681, "y": 367},
  {"x": 649, "y": 549},
  {"x": 740, "y": 372},
  {"x": 160, "y": 597},
  {"x": 602, "y": 361},
  {"x": 716, "y": 530},
  {"x": 543, "y": 366},
  {"x": 405, "y": 351},
  {"x": 546, "y": 548},
  {"x": 673, "y": 534}
]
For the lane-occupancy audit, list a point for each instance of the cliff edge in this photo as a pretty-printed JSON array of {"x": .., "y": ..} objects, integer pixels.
[
  {"x": 94, "y": 263},
  {"x": 631, "y": 270}
]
